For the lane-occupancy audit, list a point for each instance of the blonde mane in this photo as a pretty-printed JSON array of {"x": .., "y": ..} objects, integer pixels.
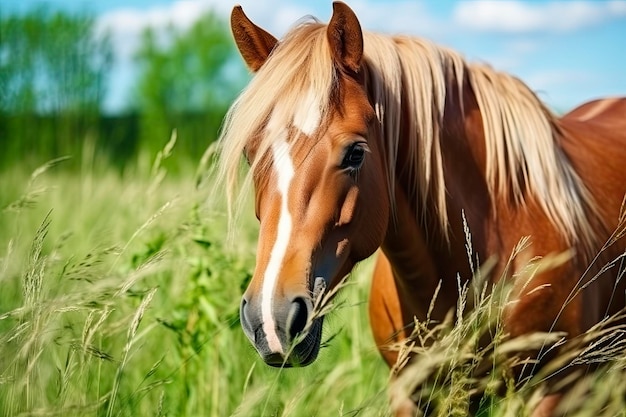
[
  {"x": 523, "y": 156},
  {"x": 275, "y": 91}
]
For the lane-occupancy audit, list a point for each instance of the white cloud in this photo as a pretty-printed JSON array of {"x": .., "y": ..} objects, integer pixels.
[
  {"x": 125, "y": 25},
  {"x": 407, "y": 17},
  {"x": 526, "y": 17}
]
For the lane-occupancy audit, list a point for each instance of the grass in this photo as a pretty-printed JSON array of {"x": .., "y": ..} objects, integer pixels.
[
  {"x": 455, "y": 368},
  {"x": 120, "y": 297}
]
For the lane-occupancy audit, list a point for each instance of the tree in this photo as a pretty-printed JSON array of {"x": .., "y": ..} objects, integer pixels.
[
  {"x": 51, "y": 63},
  {"x": 52, "y": 82},
  {"x": 188, "y": 79}
]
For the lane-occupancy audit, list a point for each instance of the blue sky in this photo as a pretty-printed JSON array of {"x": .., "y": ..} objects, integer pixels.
[{"x": 567, "y": 51}]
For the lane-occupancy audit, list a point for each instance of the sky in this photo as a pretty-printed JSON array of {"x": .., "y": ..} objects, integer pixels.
[{"x": 568, "y": 52}]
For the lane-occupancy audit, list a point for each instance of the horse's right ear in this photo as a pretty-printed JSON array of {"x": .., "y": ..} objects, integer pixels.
[
  {"x": 345, "y": 37},
  {"x": 254, "y": 43}
]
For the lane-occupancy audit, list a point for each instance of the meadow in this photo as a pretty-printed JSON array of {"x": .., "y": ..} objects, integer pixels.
[
  {"x": 120, "y": 297},
  {"x": 120, "y": 293}
]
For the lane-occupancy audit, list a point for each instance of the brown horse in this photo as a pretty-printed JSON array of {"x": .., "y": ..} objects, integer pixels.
[{"x": 358, "y": 141}]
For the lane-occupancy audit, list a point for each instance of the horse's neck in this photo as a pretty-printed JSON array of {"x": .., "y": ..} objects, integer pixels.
[
  {"x": 469, "y": 202},
  {"x": 420, "y": 252},
  {"x": 414, "y": 261}
]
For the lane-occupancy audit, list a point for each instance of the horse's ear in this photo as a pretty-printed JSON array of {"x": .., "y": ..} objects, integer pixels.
[
  {"x": 345, "y": 37},
  {"x": 254, "y": 43}
]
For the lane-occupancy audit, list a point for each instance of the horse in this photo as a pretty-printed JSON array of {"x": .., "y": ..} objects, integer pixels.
[{"x": 359, "y": 142}]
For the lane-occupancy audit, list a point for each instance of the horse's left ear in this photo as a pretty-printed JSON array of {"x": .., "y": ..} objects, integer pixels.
[
  {"x": 254, "y": 43},
  {"x": 345, "y": 37}
]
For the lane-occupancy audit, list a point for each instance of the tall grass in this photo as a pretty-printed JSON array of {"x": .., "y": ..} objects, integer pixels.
[
  {"x": 119, "y": 297},
  {"x": 464, "y": 364}
]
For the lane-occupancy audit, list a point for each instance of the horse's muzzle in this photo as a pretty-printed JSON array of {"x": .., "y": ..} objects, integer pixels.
[{"x": 289, "y": 337}]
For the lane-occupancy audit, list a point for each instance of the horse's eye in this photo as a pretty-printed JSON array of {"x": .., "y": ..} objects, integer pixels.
[{"x": 354, "y": 155}]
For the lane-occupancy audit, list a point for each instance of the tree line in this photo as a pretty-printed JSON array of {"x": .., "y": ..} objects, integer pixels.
[{"x": 55, "y": 73}]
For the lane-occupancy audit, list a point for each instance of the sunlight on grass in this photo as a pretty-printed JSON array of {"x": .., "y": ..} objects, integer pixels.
[{"x": 120, "y": 297}]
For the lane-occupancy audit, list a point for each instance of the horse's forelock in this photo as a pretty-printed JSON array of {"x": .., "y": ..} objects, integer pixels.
[{"x": 299, "y": 73}]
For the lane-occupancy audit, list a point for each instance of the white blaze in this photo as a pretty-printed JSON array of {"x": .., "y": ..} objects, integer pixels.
[
  {"x": 284, "y": 172},
  {"x": 306, "y": 118}
]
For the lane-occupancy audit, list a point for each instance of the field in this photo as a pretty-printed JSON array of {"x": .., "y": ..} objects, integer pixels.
[{"x": 120, "y": 296}]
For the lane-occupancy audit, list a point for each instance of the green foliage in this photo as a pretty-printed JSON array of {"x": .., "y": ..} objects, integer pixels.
[
  {"x": 54, "y": 73},
  {"x": 52, "y": 63},
  {"x": 191, "y": 71},
  {"x": 120, "y": 298},
  {"x": 52, "y": 69}
]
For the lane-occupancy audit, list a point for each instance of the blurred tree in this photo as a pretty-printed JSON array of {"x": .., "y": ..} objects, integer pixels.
[
  {"x": 52, "y": 65},
  {"x": 188, "y": 79},
  {"x": 53, "y": 78}
]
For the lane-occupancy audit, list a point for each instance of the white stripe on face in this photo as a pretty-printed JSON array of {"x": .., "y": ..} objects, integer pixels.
[
  {"x": 284, "y": 172},
  {"x": 307, "y": 116}
]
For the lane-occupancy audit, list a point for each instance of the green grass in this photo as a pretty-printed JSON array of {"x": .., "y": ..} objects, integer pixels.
[{"x": 120, "y": 295}]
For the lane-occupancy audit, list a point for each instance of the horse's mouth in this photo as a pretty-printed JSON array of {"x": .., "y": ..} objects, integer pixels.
[{"x": 303, "y": 353}]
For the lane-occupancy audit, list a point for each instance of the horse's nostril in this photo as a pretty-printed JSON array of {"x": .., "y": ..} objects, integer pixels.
[
  {"x": 298, "y": 317},
  {"x": 243, "y": 317}
]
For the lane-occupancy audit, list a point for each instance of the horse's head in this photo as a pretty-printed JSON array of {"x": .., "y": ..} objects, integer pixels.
[{"x": 311, "y": 138}]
